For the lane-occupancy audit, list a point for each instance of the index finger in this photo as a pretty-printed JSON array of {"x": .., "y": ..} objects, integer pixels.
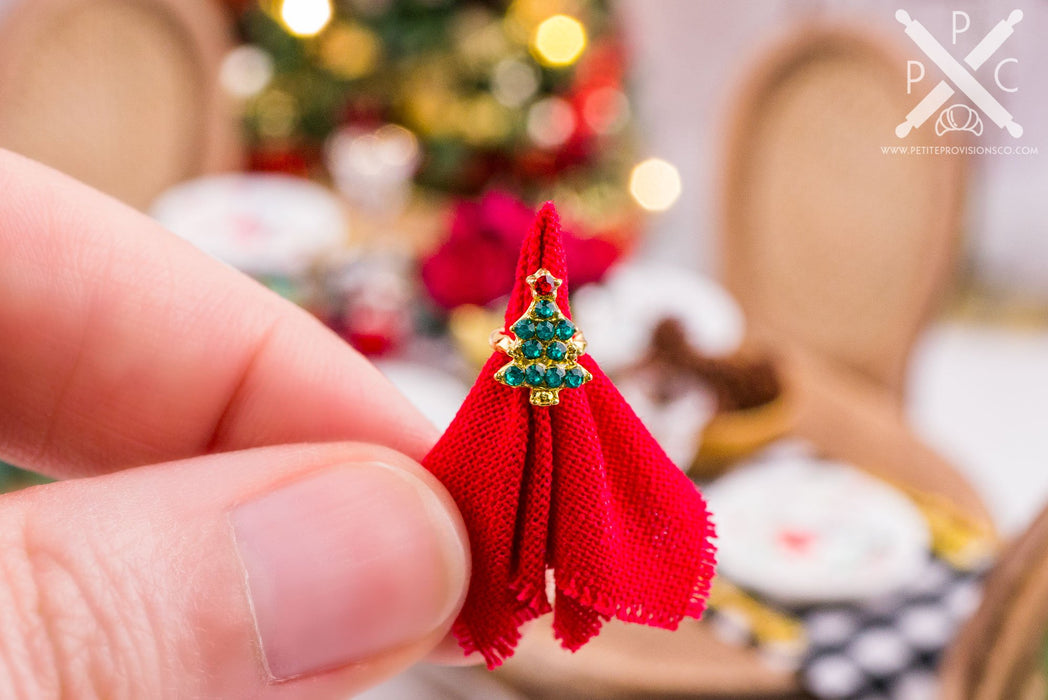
[{"x": 123, "y": 345}]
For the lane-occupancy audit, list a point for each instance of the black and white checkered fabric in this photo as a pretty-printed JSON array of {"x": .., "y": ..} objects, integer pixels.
[{"x": 889, "y": 648}]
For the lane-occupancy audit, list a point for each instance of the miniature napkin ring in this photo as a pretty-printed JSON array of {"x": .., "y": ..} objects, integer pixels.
[{"x": 545, "y": 346}]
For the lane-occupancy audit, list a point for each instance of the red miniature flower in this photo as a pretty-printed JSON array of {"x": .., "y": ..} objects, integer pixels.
[{"x": 475, "y": 265}]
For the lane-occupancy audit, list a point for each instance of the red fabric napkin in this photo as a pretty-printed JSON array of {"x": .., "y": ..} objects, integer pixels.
[{"x": 579, "y": 489}]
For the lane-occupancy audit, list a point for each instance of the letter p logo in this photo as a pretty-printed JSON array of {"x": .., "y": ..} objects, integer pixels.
[{"x": 913, "y": 76}]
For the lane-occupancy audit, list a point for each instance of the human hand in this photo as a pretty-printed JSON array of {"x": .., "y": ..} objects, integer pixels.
[{"x": 249, "y": 563}]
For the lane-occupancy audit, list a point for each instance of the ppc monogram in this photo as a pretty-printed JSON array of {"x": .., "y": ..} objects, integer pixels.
[{"x": 959, "y": 116}]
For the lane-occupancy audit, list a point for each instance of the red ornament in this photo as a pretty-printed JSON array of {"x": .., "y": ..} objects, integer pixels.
[{"x": 579, "y": 489}]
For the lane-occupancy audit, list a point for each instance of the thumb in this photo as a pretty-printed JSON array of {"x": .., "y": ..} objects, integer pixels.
[{"x": 286, "y": 572}]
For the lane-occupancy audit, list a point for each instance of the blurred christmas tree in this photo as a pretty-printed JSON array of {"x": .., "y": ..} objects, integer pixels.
[{"x": 447, "y": 97}]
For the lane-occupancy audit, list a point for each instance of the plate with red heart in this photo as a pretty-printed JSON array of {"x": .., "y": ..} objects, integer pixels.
[{"x": 802, "y": 530}]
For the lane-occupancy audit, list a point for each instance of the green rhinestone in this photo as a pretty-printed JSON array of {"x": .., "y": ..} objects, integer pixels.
[
  {"x": 534, "y": 374},
  {"x": 544, "y": 330},
  {"x": 531, "y": 349},
  {"x": 574, "y": 377},
  {"x": 545, "y": 308},
  {"x": 524, "y": 329},
  {"x": 556, "y": 351},
  {"x": 565, "y": 329},
  {"x": 514, "y": 375},
  {"x": 554, "y": 376}
]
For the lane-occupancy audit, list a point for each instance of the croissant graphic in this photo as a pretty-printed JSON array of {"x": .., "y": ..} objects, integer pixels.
[{"x": 959, "y": 117}]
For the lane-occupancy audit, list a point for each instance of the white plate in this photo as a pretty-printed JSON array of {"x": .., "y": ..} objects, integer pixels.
[
  {"x": 261, "y": 224},
  {"x": 801, "y": 530}
]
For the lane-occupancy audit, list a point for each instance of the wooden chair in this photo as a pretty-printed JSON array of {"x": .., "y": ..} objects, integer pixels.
[
  {"x": 829, "y": 244},
  {"x": 1000, "y": 653},
  {"x": 837, "y": 254},
  {"x": 121, "y": 94}
]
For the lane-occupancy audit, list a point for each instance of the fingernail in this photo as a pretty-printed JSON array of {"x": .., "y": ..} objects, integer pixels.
[{"x": 345, "y": 564}]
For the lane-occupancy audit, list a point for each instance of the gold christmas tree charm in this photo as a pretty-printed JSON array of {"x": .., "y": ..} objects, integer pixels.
[{"x": 544, "y": 346}]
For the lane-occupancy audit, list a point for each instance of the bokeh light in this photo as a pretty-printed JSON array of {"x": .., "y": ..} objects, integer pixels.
[
  {"x": 399, "y": 147},
  {"x": 606, "y": 110},
  {"x": 483, "y": 121},
  {"x": 514, "y": 81},
  {"x": 655, "y": 184},
  {"x": 391, "y": 152},
  {"x": 551, "y": 122},
  {"x": 277, "y": 114},
  {"x": 306, "y": 18},
  {"x": 559, "y": 41},
  {"x": 246, "y": 71},
  {"x": 350, "y": 51}
]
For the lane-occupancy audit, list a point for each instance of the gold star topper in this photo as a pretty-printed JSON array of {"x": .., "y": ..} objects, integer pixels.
[{"x": 544, "y": 346}]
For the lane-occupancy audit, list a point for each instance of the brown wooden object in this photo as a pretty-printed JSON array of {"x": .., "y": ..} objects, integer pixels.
[
  {"x": 999, "y": 654},
  {"x": 122, "y": 94},
  {"x": 828, "y": 243}
]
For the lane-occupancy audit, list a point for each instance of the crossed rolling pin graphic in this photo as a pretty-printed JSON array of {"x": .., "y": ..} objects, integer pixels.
[{"x": 958, "y": 75}]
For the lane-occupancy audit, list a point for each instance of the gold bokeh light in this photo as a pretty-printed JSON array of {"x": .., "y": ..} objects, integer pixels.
[
  {"x": 558, "y": 41},
  {"x": 306, "y": 18},
  {"x": 655, "y": 184}
]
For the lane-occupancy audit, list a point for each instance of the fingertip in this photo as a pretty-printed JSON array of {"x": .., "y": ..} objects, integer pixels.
[
  {"x": 347, "y": 563},
  {"x": 262, "y": 573}
]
